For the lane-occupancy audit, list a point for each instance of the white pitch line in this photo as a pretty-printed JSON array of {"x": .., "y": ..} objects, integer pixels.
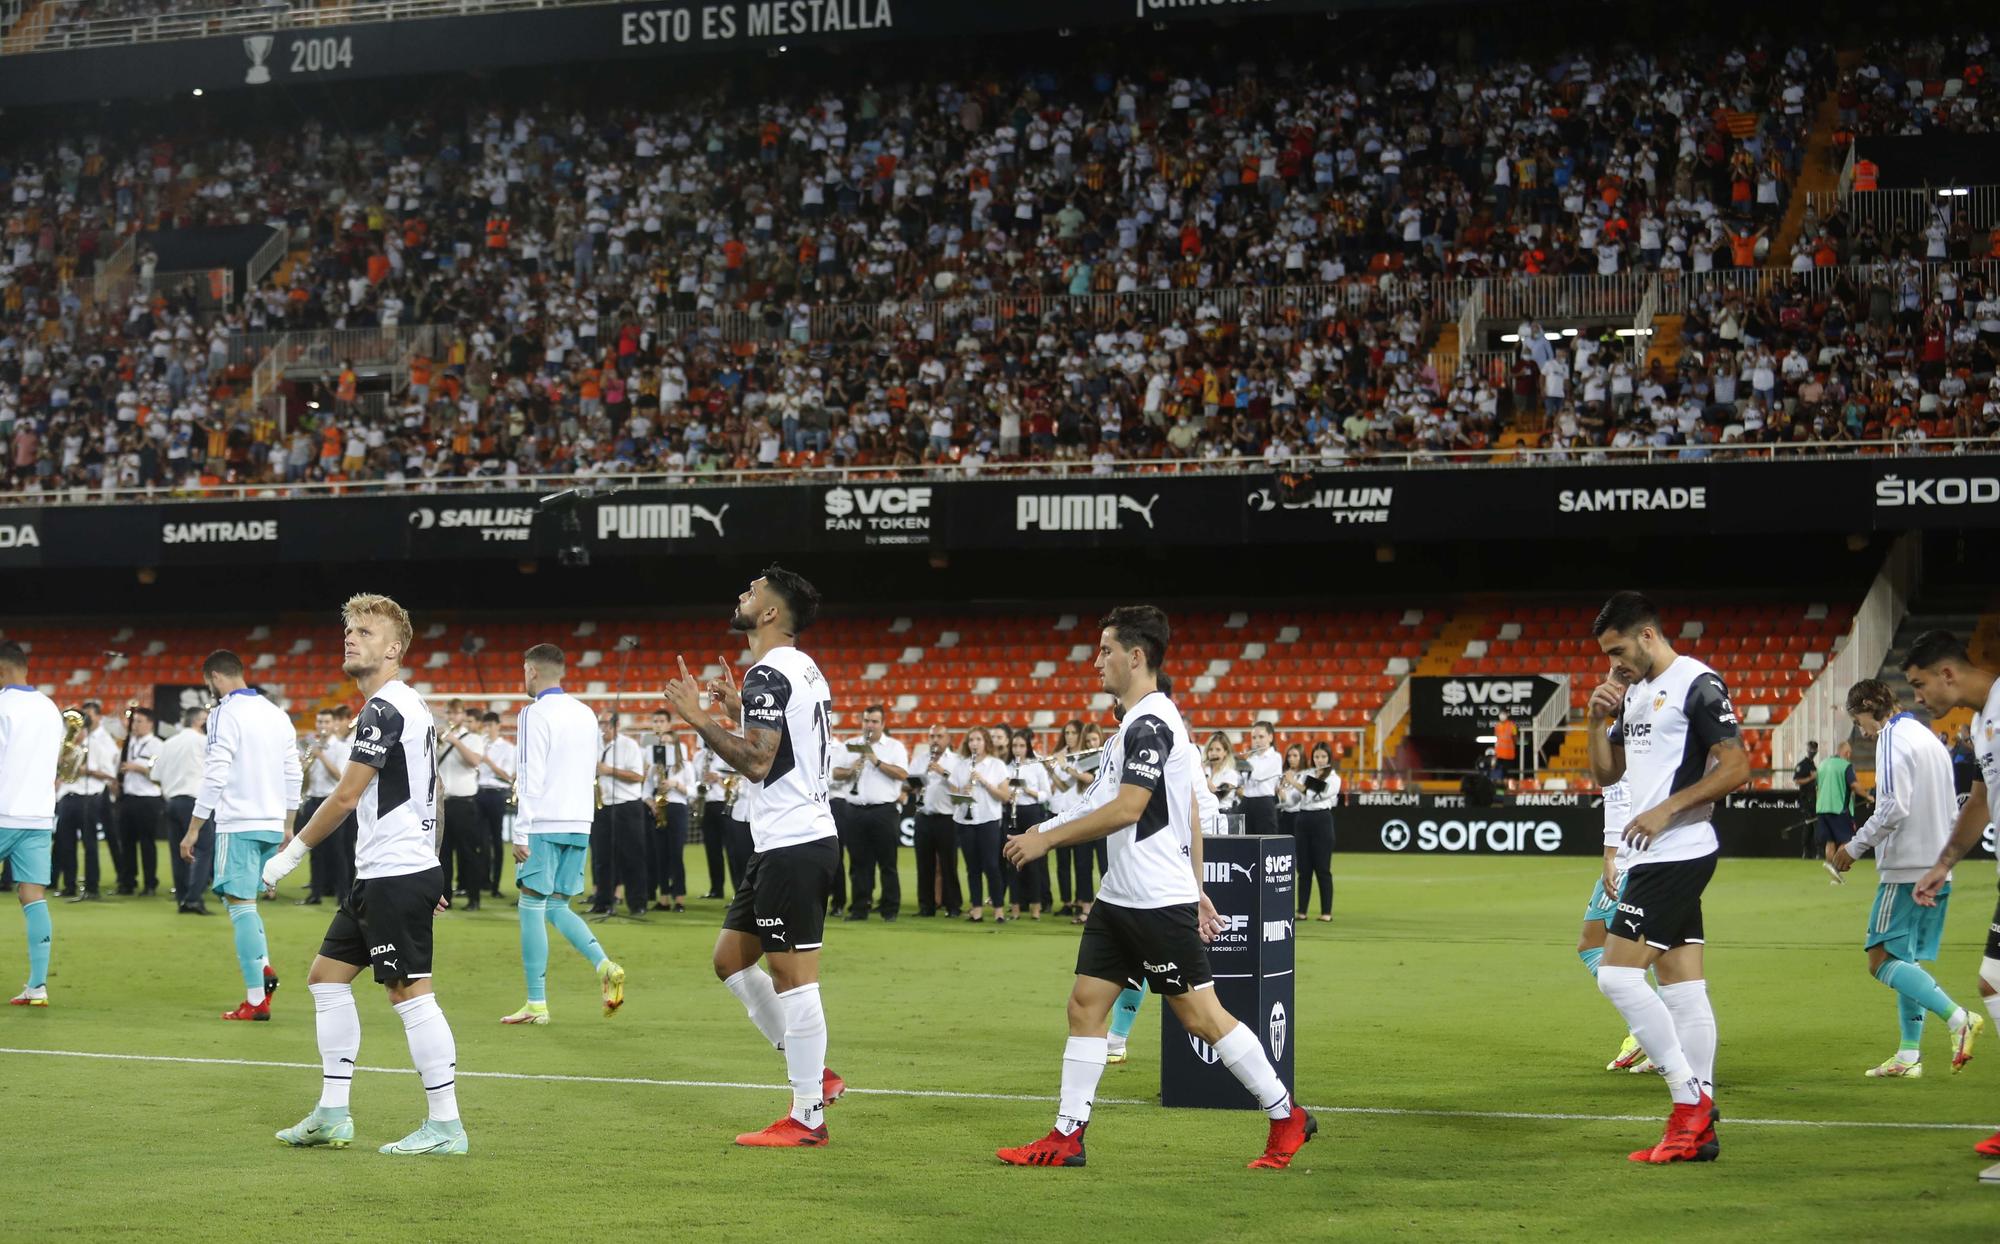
[{"x": 1392, "y": 1111}]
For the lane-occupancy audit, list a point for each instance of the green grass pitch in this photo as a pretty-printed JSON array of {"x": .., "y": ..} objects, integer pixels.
[{"x": 1443, "y": 1022}]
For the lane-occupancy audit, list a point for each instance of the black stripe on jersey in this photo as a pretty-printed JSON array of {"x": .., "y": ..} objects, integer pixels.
[
  {"x": 1711, "y": 718},
  {"x": 766, "y": 695},
  {"x": 1148, "y": 743},
  {"x": 378, "y": 743}
]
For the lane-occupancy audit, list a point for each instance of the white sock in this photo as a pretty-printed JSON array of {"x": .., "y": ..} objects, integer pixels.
[
  {"x": 1651, "y": 1022},
  {"x": 339, "y": 1027},
  {"x": 1958, "y": 1020},
  {"x": 434, "y": 1053},
  {"x": 1694, "y": 1022},
  {"x": 753, "y": 988},
  {"x": 1909, "y": 1058},
  {"x": 805, "y": 1052},
  {"x": 1115, "y": 1044},
  {"x": 1245, "y": 1058},
  {"x": 1082, "y": 1068},
  {"x": 255, "y": 997}
]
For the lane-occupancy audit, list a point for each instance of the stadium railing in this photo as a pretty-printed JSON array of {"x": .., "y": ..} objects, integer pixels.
[
  {"x": 1079, "y": 469},
  {"x": 1910, "y": 209},
  {"x": 203, "y": 23}
]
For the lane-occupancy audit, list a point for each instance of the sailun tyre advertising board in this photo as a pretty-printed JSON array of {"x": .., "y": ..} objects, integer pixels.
[{"x": 1204, "y": 510}]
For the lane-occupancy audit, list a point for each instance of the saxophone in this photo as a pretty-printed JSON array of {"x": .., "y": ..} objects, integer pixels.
[{"x": 75, "y": 752}]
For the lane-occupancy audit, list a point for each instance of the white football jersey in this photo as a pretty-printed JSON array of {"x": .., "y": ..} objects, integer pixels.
[
  {"x": 786, "y": 692},
  {"x": 31, "y": 734},
  {"x": 1149, "y": 859},
  {"x": 1670, "y": 722},
  {"x": 397, "y": 818},
  {"x": 1986, "y": 749}
]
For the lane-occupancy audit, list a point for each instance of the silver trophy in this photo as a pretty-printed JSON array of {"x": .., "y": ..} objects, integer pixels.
[{"x": 258, "y": 48}]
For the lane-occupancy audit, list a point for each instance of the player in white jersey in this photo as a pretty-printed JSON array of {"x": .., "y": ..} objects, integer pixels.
[
  {"x": 1151, "y": 919},
  {"x": 384, "y": 921},
  {"x": 1662, "y": 723},
  {"x": 1941, "y": 672},
  {"x": 31, "y": 736},
  {"x": 250, "y": 787},
  {"x": 1915, "y": 806},
  {"x": 779, "y": 912}
]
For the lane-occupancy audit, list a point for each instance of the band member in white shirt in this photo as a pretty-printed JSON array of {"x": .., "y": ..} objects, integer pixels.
[
  {"x": 496, "y": 780},
  {"x": 618, "y": 835},
  {"x": 461, "y": 750},
  {"x": 877, "y": 767},
  {"x": 714, "y": 774},
  {"x": 79, "y": 810},
  {"x": 668, "y": 769},
  {"x": 1260, "y": 785},
  {"x": 139, "y": 806},
  {"x": 1289, "y": 790},
  {"x": 1066, "y": 783},
  {"x": 324, "y": 757},
  {"x": 1028, "y": 780},
  {"x": 937, "y": 836},
  {"x": 1222, "y": 777},
  {"x": 178, "y": 771},
  {"x": 979, "y": 789},
  {"x": 1313, "y": 791}
]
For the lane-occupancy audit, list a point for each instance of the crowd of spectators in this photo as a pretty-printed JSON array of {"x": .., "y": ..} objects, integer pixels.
[{"x": 555, "y": 239}]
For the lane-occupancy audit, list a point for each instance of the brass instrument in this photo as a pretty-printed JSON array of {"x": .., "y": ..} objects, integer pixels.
[
  {"x": 117, "y": 784},
  {"x": 307, "y": 753},
  {"x": 75, "y": 752},
  {"x": 731, "y": 787}
]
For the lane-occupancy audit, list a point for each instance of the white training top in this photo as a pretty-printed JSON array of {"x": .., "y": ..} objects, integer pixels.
[
  {"x": 1916, "y": 804},
  {"x": 871, "y": 785},
  {"x": 558, "y": 759},
  {"x": 250, "y": 773},
  {"x": 1670, "y": 722},
  {"x": 786, "y": 692},
  {"x": 31, "y": 734},
  {"x": 1149, "y": 858},
  {"x": 396, "y": 819}
]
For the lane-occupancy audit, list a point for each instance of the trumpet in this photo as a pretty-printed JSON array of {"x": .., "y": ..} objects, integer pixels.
[{"x": 71, "y": 759}]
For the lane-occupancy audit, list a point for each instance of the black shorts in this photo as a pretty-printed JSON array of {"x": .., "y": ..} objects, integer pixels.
[
  {"x": 385, "y": 922},
  {"x": 1159, "y": 946},
  {"x": 782, "y": 902},
  {"x": 1835, "y": 827},
  {"x": 1661, "y": 903}
]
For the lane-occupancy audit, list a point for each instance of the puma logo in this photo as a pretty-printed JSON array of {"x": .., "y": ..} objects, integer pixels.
[
  {"x": 714, "y": 518},
  {"x": 1143, "y": 511}
]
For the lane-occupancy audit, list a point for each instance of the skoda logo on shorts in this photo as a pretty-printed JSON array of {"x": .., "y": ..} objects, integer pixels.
[
  {"x": 1395, "y": 834},
  {"x": 1203, "y": 1050}
]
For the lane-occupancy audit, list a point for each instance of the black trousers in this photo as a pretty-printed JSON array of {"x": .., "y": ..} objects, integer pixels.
[
  {"x": 191, "y": 880},
  {"x": 670, "y": 839},
  {"x": 740, "y": 845},
  {"x": 714, "y": 835},
  {"x": 1315, "y": 831},
  {"x": 1027, "y": 886},
  {"x": 138, "y": 839},
  {"x": 320, "y": 861},
  {"x": 1260, "y": 815},
  {"x": 77, "y": 817},
  {"x": 492, "y": 804},
  {"x": 843, "y": 832},
  {"x": 937, "y": 859},
  {"x": 618, "y": 855},
  {"x": 980, "y": 845},
  {"x": 1076, "y": 872},
  {"x": 464, "y": 843},
  {"x": 873, "y": 832}
]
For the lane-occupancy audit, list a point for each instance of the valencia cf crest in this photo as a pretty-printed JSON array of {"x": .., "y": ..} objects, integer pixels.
[{"x": 1277, "y": 1031}]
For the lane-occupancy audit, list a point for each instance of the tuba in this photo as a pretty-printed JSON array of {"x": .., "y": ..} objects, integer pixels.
[{"x": 75, "y": 752}]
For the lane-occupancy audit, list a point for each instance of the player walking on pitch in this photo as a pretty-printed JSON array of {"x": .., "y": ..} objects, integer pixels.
[
  {"x": 1150, "y": 918},
  {"x": 779, "y": 912},
  {"x": 1915, "y": 806},
  {"x": 1941, "y": 672},
  {"x": 1663, "y": 725},
  {"x": 250, "y": 785},
  {"x": 384, "y": 921},
  {"x": 31, "y": 736}
]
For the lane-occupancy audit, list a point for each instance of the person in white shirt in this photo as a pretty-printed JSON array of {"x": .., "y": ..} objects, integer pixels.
[
  {"x": 1151, "y": 920},
  {"x": 250, "y": 788},
  {"x": 937, "y": 837},
  {"x": 1028, "y": 780},
  {"x": 618, "y": 853},
  {"x": 460, "y": 751},
  {"x": 555, "y": 789},
  {"x": 80, "y": 813},
  {"x": 876, "y": 767},
  {"x": 1915, "y": 805},
  {"x": 979, "y": 790},
  {"x": 31, "y": 738},
  {"x": 717, "y": 793},
  {"x": 100, "y": 771},
  {"x": 323, "y": 757},
  {"x": 496, "y": 782},
  {"x": 668, "y": 769},
  {"x": 139, "y": 807},
  {"x": 1942, "y": 674},
  {"x": 1260, "y": 784},
  {"x": 177, "y": 769},
  {"x": 1075, "y": 875},
  {"x": 385, "y": 923}
]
